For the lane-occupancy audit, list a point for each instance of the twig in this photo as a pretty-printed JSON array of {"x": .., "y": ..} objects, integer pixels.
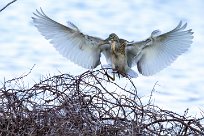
[
  {"x": 22, "y": 76},
  {"x": 7, "y": 5}
]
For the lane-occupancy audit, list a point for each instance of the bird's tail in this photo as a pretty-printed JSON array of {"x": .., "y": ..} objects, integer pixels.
[{"x": 131, "y": 73}]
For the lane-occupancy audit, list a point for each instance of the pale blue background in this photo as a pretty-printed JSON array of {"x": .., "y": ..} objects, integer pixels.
[{"x": 180, "y": 86}]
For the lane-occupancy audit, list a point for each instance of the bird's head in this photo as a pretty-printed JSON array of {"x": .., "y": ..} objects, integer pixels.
[
  {"x": 114, "y": 41},
  {"x": 111, "y": 38}
]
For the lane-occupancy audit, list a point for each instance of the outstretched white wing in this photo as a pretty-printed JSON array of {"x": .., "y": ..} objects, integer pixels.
[
  {"x": 69, "y": 41},
  {"x": 163, "y": 49}
]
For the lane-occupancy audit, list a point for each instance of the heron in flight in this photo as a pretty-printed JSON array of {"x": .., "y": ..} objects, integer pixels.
[{"x": 150, "y": 56}]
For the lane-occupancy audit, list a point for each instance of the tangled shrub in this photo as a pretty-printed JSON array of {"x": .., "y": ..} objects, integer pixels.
[{"x": 83, "y": 105}]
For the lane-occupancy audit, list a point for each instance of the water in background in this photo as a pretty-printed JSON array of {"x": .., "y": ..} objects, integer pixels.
[{"x": 179, "y": 86}]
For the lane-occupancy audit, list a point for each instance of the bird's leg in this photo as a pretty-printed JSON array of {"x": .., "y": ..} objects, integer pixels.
[
  {"x": 123, "y": 74},
  {"x": 118, "y": 74},
  {"x": 113, "y": 73}
]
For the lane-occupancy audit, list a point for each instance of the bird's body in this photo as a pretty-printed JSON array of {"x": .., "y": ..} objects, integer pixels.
[
  {"x": 119, "y": 58},
  {"x": 150, "y": 55}
]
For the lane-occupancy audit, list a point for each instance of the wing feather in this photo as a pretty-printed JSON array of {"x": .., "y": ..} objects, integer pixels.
[
  {"x": 69, "y": 41},
  {"x": 164, "y": 49},
  {"x": 160, "y": 50}
]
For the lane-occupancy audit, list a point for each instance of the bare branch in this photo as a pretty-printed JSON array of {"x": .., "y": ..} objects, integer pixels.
[{"x": 7, "y": 5}]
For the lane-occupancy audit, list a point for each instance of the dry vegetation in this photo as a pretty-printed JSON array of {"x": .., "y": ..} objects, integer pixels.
[{"x": 82, "y": 106}]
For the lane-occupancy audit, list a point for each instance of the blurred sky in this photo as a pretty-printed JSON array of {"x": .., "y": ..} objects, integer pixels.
[{"x": 180, "y": 86}]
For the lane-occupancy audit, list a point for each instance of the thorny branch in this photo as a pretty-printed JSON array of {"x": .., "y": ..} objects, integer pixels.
[{"x": 85, "y": 105}]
